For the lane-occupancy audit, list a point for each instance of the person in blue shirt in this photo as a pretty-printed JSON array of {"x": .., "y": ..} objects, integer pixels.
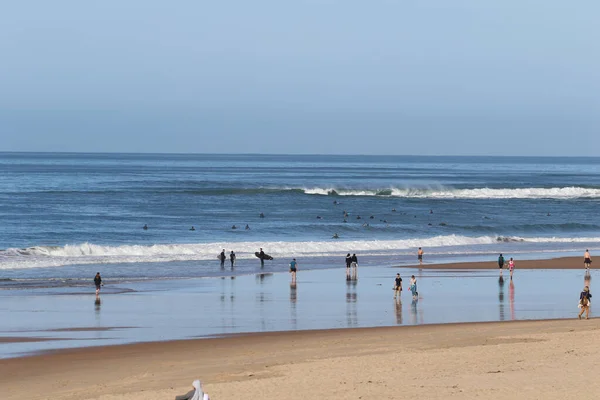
[{"x": 293, "y": 269}]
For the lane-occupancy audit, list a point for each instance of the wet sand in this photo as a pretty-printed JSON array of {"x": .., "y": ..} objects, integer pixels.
[
  {"x": 322, "y": 299},
  {"x": 517, "y": 360},
  {"x": 553, "y": 263}
]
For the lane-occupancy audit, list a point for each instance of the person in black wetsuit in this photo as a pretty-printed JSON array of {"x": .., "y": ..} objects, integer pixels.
[
  {"x": 232, "y": 258},
  {"x": 348, "y": 263},
  {"x": 261, "y": 255},
  {"x": 145, "y": 227},
  {"x": 222, "y": 257},
  {"x": 98, "y": 283}
]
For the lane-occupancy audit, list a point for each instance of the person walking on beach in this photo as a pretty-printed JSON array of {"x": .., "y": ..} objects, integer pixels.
[
  {"x": 397, "y": 286},
  {"x": 222, "y": 257},
  {"x": 420, "y": 256},
  {"x": 98, "y": 283},
  {"x": 584, "y": 302},
  {"x": 232, "y": 258},
  {"x": 587, "y": 259},
  {"x": 293, "y": 269},
  {"x": 511, "y": 267},
  {"x": 348, "y": 265},
  {"x": 501, "y": 263},
  {"x": 413, "y": 287}
]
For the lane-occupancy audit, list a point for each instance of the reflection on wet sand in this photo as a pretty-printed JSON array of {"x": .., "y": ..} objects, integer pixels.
[
  {"x": 97, "y": 304},
  {"x": 398, "y": 309},
  {"x": 501, "y": 297},
  {"x": 351, "y": 298},
  {"x": 293, "y": 299},
  {"x": 511, "y": 299},
  {"x": 414, "y": 311}
]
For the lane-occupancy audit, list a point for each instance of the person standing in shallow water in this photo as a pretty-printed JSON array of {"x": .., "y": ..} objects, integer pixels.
[
  {"x": 511, "y": 267},
  {"x": 232, "y": 258},
  {"x": 98, "y": 283},
  {"x": 293, "y": 269},
  {"x": 420, "y": 256},
  {"x": 501, "y": 263},
  {"x": 413, "y": 287},
  {"x": 397, "y": 286},
  {"x": 348, "y": 264},
  {"x": 584, "y": 302},
  {"x": 222, "y": 257}
]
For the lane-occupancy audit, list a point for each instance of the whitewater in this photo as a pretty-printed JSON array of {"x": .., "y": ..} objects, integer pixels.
[
  {"x": 476, "y": 193},
  {"x": 70, "y": 215},
  {"x": 88, "y": 253}
]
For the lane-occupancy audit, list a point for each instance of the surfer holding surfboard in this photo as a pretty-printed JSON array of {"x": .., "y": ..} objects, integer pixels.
[{"x": 262, "y": 256}]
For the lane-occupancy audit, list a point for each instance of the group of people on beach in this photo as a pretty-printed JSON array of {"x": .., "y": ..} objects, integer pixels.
[
  {"x": 222, "y": 257},
  {"x": 351, "y": 267},
  {"x": 502, "y": 263},
  {"x": 412, "y": 287}
]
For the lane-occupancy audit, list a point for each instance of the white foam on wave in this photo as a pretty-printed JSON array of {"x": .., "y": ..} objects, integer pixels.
[
  {"x": 88, "y": 253},
  {"x": 478, "y": 193}
]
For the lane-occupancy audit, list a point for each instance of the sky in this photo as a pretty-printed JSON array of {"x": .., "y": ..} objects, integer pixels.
[{"x": 460, "y": 77}]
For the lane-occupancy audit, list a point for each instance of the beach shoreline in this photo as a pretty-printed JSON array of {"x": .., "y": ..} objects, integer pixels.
[
  {"x": 432, "y": 360},
  {"x": 544, "y": 263}
]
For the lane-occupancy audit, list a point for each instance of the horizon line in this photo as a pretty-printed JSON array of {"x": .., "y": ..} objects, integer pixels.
[{"x": 291, "y": 154}]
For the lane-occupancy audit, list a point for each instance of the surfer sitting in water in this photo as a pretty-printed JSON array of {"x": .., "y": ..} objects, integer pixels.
[
  {"x": 335, "y": 236},
  {"x": 262, "y": 215},
  {"x": 234, "y": 227},
  {"x": 192, "y": 228},
  {"x": 145, "y": 227}
]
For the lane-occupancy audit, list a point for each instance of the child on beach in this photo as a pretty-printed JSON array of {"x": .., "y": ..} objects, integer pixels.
[
  {"x": 511, "y": 267},
  {"x": 584, "y": 302},
  {"x": 413, "y": 287},
  {"x": 397, "y": 286}
]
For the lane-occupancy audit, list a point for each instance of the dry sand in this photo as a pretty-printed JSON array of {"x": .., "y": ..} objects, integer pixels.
[
  {"x": 507, "y": 360},
  {"x": 554, "y": 263}
]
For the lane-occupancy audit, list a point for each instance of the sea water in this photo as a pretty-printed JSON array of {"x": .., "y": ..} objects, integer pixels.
[{"x": 63, "y": 217}]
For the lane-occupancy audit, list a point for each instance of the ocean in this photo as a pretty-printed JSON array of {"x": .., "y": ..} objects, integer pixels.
[{"x": 65, "y": 216}]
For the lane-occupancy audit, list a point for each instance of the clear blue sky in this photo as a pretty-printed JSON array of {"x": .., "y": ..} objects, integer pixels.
[{"x": 514, "y": 77}]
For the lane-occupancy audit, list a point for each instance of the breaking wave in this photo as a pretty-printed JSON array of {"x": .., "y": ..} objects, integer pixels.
[
  {"x": 89, "y": 253},
  {"x": 477, "y": 193}
]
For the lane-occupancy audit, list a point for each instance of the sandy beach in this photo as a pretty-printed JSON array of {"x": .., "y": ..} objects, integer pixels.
[
  {"x": 553, "y": 263},
  {"x": 518, "y": 360}
]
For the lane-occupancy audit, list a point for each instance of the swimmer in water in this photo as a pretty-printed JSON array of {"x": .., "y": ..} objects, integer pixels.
[
  {"x": 262, "y": 215},
  {"x": 335, "y": 236},
  {"x": 192, "y": 228},
  {"x": 234, "y": 227},
  {"x": 318, "y": 217},
  {"x": 247, "y": 227},
  {"x": 145, "y": 227}
]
